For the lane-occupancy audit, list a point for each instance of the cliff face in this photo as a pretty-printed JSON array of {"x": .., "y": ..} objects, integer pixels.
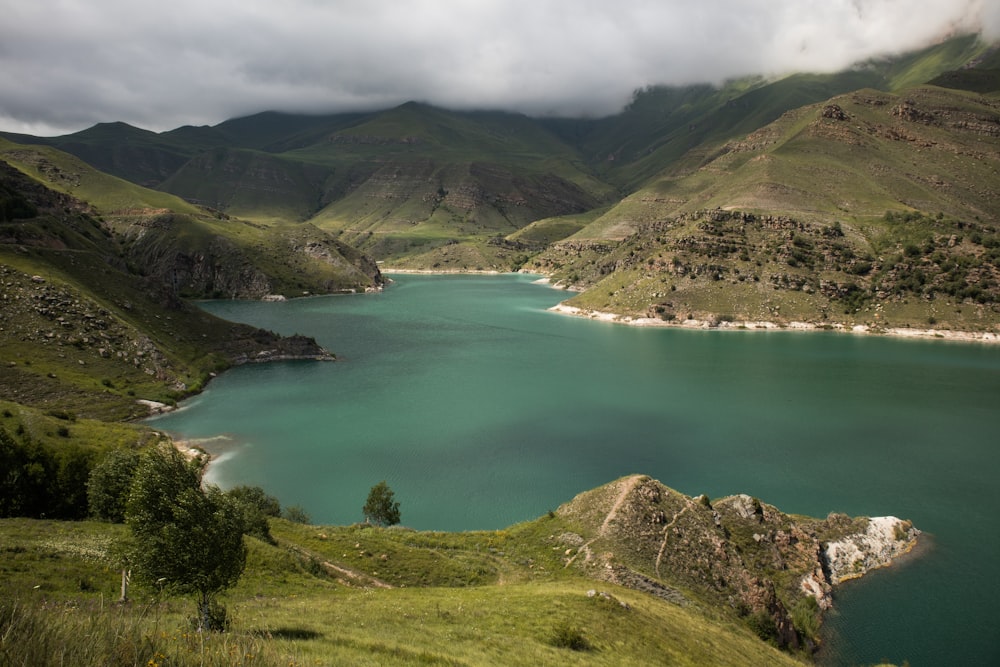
[{"x": 736, "y": 552}]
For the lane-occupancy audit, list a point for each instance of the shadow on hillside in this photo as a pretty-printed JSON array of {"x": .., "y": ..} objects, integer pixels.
[{"x": 290, "y": 633}]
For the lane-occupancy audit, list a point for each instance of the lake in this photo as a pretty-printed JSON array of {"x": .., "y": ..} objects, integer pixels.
[{"x": 481, "y": 409}]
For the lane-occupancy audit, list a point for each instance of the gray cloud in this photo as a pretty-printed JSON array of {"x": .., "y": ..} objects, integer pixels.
[{"x": 66, "y": 64}]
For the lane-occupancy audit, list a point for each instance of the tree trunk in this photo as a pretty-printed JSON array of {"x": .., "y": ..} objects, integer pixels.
[{"x": 126, "y": 575}]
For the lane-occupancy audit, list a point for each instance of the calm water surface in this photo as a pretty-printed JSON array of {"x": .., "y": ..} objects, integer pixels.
[{"x": 480, "y": 409}]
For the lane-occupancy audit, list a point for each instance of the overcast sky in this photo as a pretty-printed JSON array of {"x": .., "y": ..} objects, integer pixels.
[{"x": 67, "y": 64}]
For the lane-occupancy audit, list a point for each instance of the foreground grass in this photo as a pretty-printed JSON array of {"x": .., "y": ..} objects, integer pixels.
[{"x": 480, "y": 598}]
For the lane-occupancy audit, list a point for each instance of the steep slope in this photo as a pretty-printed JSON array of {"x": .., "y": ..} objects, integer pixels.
[
  {"x": 871, "y": 208},
  {"x": 400, "y": 181},
  {"x": 82, "y": 333},
  {"x": 140, "y": 156},
  {"x": 673, "y": 128},
  {"x": 201, "y": 253}
]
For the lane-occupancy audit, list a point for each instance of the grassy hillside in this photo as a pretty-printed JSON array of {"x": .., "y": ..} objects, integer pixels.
[
  {"x": 89, "y": 323},
  {"x": 198, "y": 252},
  {"x": 870, "y": 208},
  {"x": 289, "y": 610},
  {"x": 364, "y": 595}
]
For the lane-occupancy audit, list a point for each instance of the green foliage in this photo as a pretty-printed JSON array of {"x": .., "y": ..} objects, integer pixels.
[
  {"x": 763, "y": 626},
  {"x": 185, "y": 539},
  {"x": 381, "y": 508},
  {"x": 296, "y": 514},
  {"x": 806, "y": 617},
  {"x": 42, "y": 481},
  {"x": 256, "y": 506},
  {"x": 109, "y": 484},
  {"x": 92, "y": 635},
  {"x": 569, "y": 636}
]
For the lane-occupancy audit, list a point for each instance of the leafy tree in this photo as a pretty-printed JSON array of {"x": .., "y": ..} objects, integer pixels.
[
  {"x": 297, "y": 514},
  {"x": 256, "y": 506},
  {"x": 70, "y": 485},
  {"x": 186, "y": 539},
  {"x": 109, "y": 483},
  {"x": 381, "y": 508}
]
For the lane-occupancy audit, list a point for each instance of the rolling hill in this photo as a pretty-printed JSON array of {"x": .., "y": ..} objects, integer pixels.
[
  {"x": 869, "y": 209},
  {"x": 589, "y": 583}
]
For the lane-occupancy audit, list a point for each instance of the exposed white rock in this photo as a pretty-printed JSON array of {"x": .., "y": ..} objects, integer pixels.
[
  {"x": 885, "y": 538},
  {"x": 155, "y": 407}
]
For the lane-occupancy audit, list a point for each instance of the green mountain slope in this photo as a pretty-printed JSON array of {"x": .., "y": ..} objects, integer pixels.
[
  {"x": 870, "y": 209},
  {"x": 409, "y": 184},
  {"x": 426, "y": 188},
  {"x": 673, "y": 128},
  {"x": 197, "y": 252},
  {"x": 406, "y": 181},
  {"x": 83, "y": 333},
  {"x": 96, "y": 270}
]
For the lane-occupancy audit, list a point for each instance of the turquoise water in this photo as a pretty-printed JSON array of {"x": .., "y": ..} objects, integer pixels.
[{"x": 481, "y": 409}]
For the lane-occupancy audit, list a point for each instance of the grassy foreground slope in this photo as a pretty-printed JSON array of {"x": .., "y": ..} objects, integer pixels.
[
  {"x": 630, "y": 573},
  {"x": 362, "y": 595}
]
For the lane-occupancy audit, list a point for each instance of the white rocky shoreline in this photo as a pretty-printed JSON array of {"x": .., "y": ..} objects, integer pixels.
[
  {"x": 901, "y": 332},
  {"x": 884, "y": 540}
]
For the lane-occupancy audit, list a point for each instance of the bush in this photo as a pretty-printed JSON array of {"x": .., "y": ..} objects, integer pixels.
[
  {"x": 108, "y": 485},
  {"x": 763, "y": 626},
  {"x": 296, "y": 514},
  {"x": 568, "y": 636},
  {"x": 806, "y": 617}
]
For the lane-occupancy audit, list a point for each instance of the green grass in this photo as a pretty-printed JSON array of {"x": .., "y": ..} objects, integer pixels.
[{"x": 60, "y": 583}]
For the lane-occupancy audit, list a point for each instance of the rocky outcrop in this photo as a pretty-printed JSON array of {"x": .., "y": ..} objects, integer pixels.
[
  {"x": 279, "y": 348},
  {"x": 736, "y": 552},
  {"x": 884, "y": 539}
]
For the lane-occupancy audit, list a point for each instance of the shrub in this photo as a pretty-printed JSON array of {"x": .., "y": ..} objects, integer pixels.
[
  {"x": 296, "y": 514},
  {"x": 806, "y": 617},
  {"x": 568, "y": 636}
]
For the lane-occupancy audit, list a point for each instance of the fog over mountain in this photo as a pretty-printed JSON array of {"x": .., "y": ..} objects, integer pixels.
[{"x": 67, "y": 64}]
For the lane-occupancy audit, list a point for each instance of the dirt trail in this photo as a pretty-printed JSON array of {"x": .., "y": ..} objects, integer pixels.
[
  {"x": 344, "y": 575},
  {"x": 628, "y": 485}
]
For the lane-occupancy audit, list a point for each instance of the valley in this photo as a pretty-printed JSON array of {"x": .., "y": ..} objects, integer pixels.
[{"x": 864, "y": 201}]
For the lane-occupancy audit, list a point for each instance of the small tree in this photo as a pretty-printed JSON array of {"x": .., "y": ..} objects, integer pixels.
[
  {"x": 257, "y": 506},
  {"x": 297, "y": 514},
  {"x": 381, "y": 508},
  {"x": 109, "y": 484},
  {"x": 184, "y": 538}
]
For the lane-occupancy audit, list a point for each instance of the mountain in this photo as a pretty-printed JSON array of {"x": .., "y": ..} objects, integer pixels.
[
  {"x": 835, "y": 180},
  {"x": 868, "y": 209},
  {"x": 94, "y": 286}
]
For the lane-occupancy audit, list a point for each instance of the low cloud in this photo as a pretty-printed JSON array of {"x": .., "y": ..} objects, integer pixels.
[{"x": 66, "y": 64}]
